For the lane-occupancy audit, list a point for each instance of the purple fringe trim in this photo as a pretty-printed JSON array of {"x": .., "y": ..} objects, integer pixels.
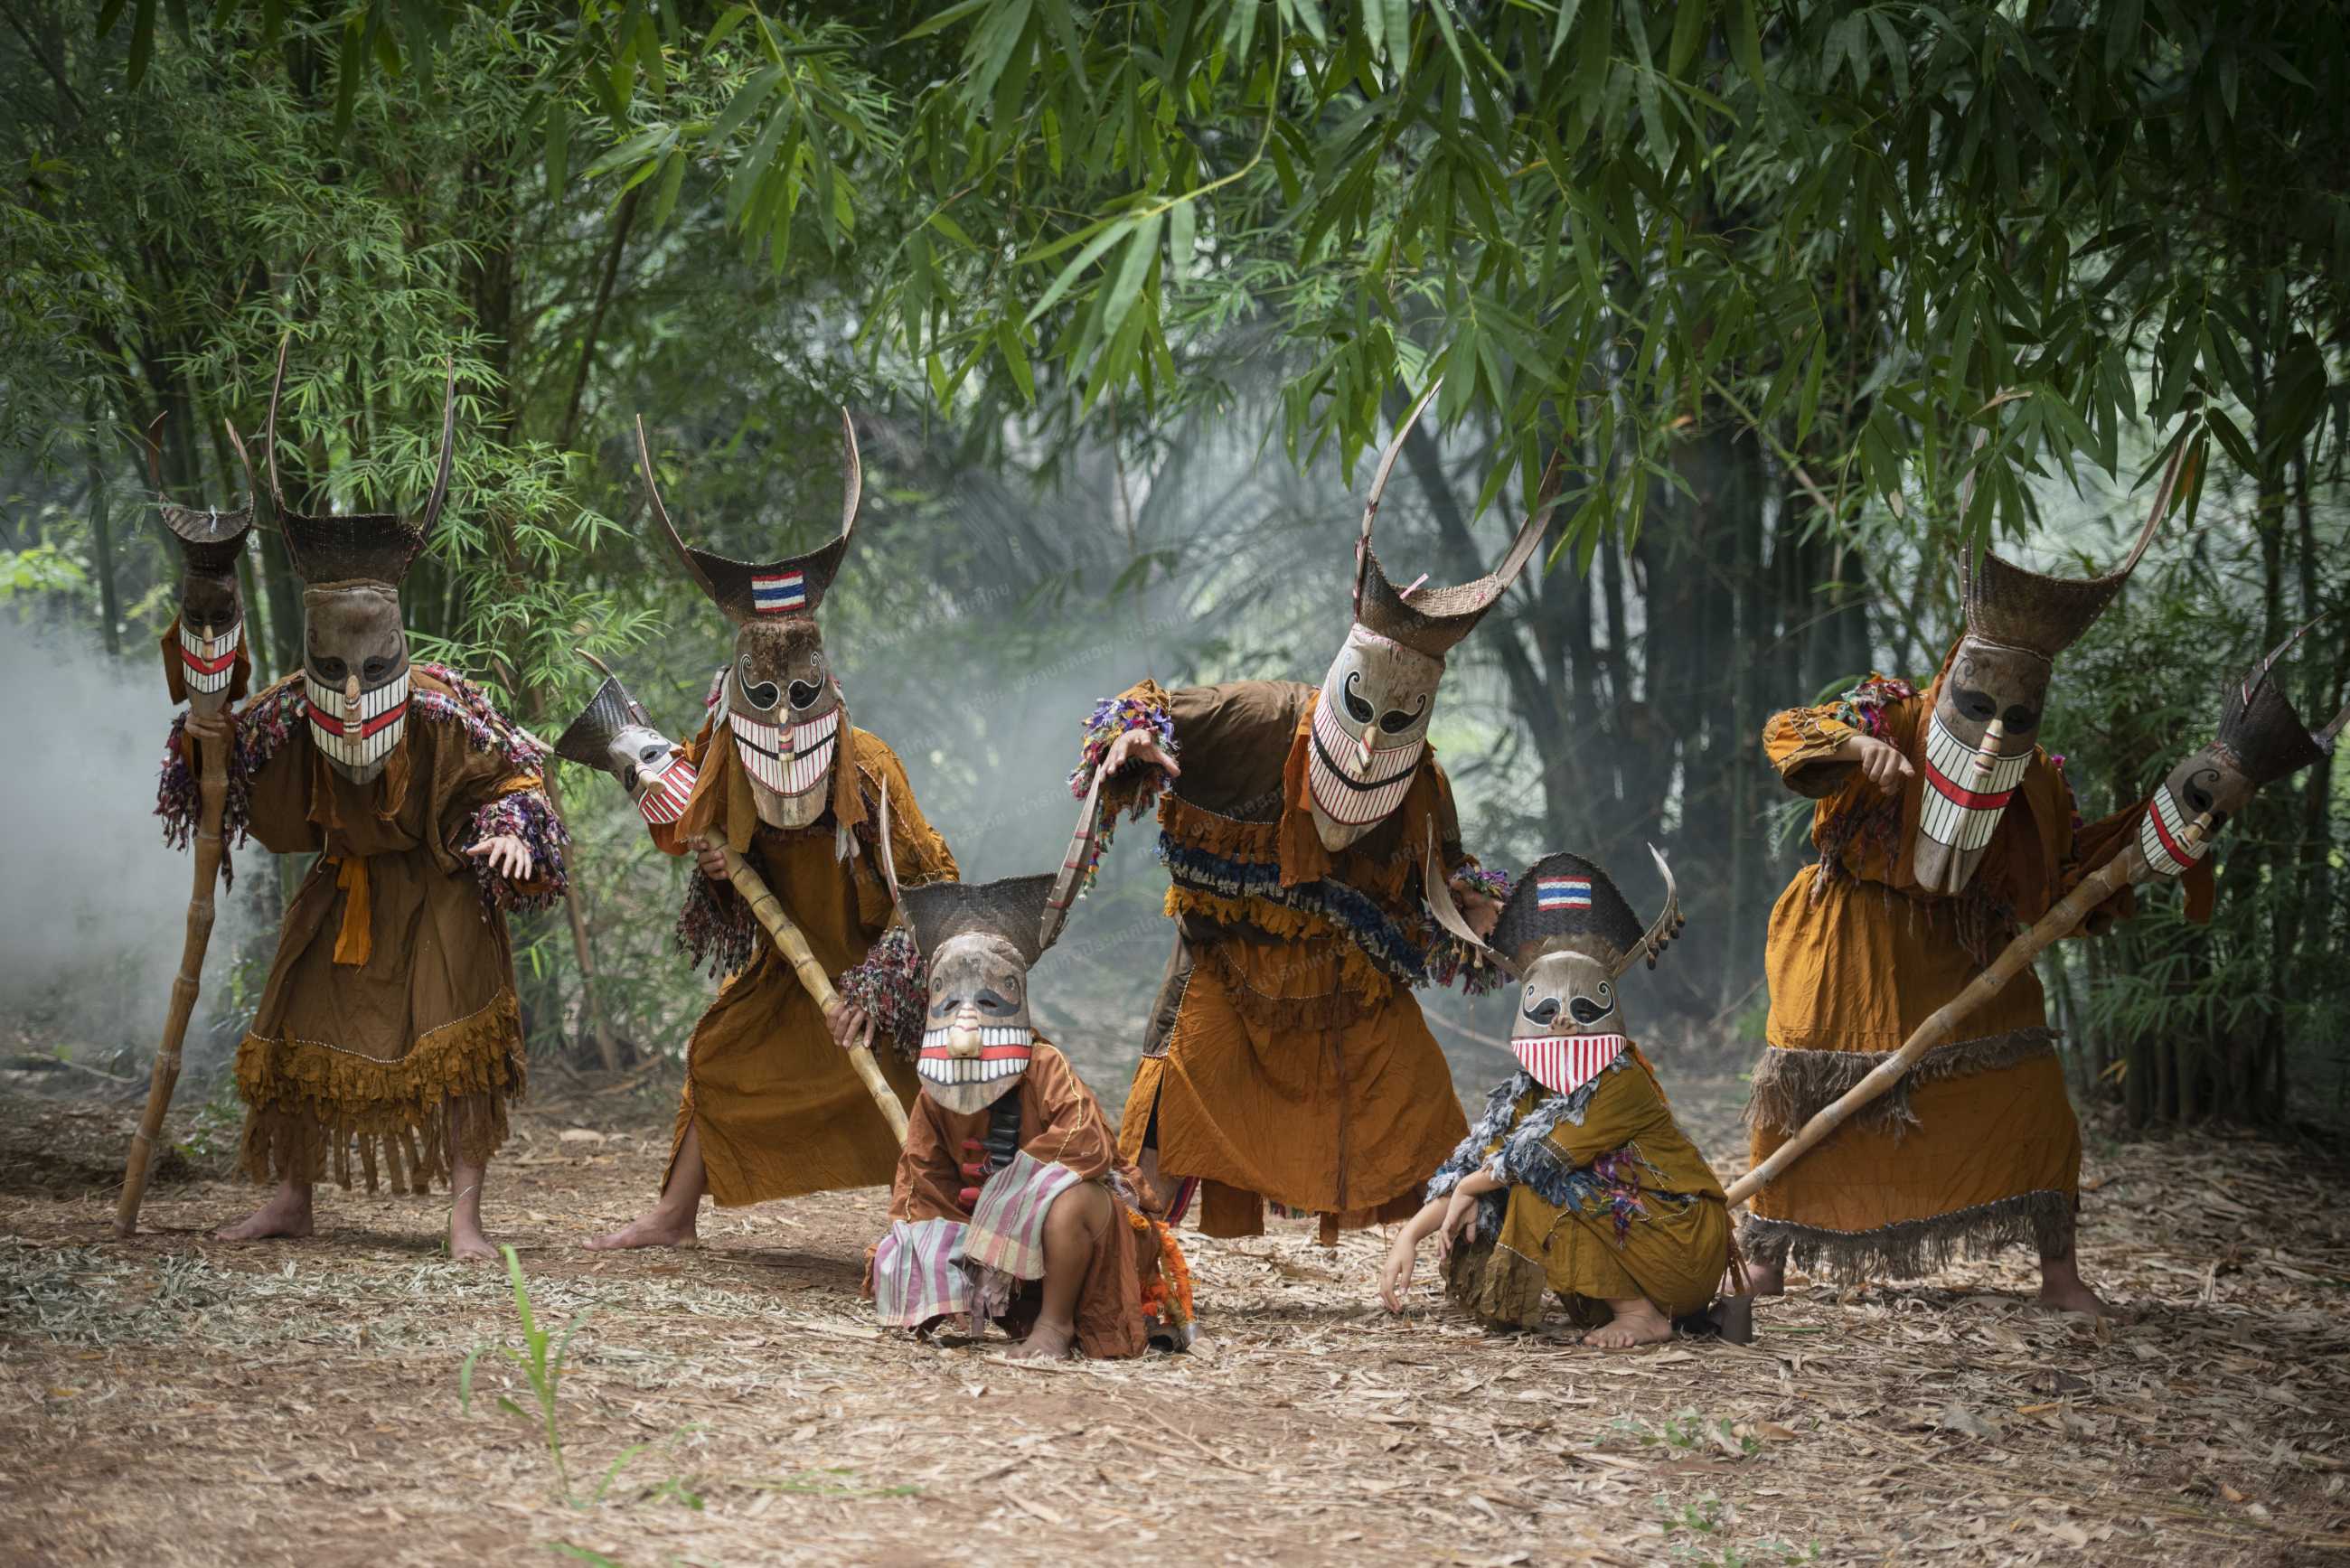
[
  {"x": 526, "y": 815},
  {"x": 889, "y": 986},
  {"x": 716, "y": 928},
  {"x": 485, "y": 727},
  {"x": 1863, "y": 706},
  {"x": 1113, "y": 717}
]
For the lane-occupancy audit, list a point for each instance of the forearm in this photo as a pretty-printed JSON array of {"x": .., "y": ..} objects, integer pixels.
[{"x": 1477, "y": 1183}]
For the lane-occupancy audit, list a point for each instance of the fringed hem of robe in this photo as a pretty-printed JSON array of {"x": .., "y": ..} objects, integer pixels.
[
  {"x": 310, "y": 1106},
  {"x": 1912, "y": 1247}
]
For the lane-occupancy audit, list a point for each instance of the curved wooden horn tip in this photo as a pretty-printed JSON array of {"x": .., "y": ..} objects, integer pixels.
[
  {"x": 2327, "y": 736},
  {"x": 269, "y": 430},
  {"x": 602, "y": 668},
  {"x": 660, "y": 512},
  {"x": 236, "y": 446},
  {"x": 2163, "y": 496},
  {"x": 852, "y": 473},
  {"x": 890, "y": 862},
  {"x": 439, "y": 496},
  {"x": 1394, "y": 450}
]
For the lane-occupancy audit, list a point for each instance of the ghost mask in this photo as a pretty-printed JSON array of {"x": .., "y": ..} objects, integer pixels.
[
  {"x": 1370, "y": 722},
  {"x": 1985, "y": 720},
  {"x": 779, "y": 701},
  {"x": 1566, "y": 936},
  {"x": 203, "y": 651},
  {"x": 615, "y": 735},
  {"x": 355, "y": 668}
]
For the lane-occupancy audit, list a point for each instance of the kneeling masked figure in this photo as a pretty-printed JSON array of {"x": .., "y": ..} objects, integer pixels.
[{"x": 1010, "y": 1203}]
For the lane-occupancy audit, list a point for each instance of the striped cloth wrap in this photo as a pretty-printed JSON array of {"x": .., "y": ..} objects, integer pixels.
[
  {"x": 1004, "y": 1242},
  {"x": 915, "y": 1278}
]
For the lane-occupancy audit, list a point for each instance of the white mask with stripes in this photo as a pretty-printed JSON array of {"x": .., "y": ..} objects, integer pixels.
[
  {"x": 791, "y": 761},
  {"x": 208, "y": 661},
  {"x": 653, "y": 771},
  {"x": 1569, "y": 1025},
  {"x": 1370, "y": 730},
  {"x": 977, "y": 1037},
  {"x": 1966, "y": 791},
  {"x": 2163, "y": 838},
  {"x": 357, "y": 734}
]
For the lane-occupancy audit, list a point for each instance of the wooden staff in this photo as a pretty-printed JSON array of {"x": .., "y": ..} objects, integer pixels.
[
  {"x": 753, "y": 891},
  {"x": 2123, "y": 869},
  {"x": 212, "y": 787}
]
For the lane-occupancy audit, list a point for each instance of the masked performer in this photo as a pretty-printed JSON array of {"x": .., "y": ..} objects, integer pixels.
[
  {"x": 1941, "y": 826},
  {"x": 1286, "y": 1058},
  {"x": 1011, "y": 1202},
  {"x": 1575, "y": 1179},
  {"x": 388, "y": 1024},
  {"x": 771, "y": 1107}
]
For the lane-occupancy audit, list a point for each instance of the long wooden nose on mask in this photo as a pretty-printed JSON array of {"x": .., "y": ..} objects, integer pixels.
[
  {"x": 962, "y": 1034},
  {"x": 351, "y": 703},
  {"x": 1992, "y": 744}
]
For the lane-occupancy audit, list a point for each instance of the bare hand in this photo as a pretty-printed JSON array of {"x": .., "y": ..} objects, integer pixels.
[
  {"x": 506, "y": 854},
  {"x": 851, "y": 1026},
  {"x": 1884, "y": 764},
  {"x": 712, "y": 861},
  {"x": 210, "y": 728},
  {"x": 1138, "y": 746},
  {"x": 1477, "y": 908},
  {"x": 1395, "y": 1274},
  {"x": 1460, "y": 1224}
]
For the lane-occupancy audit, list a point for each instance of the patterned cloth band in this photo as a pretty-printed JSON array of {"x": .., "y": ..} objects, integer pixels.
[
  {"x": 1963, "y": 806},
  {"x": 779, "y": 593},
  {"x": 1564, "y": 1062},
  {"x": 210, "y": 662},
  {"x": 1562, "y": 893},
  {"x": 1003, "y": 1053},
  {"x": 356, "y": 742},
  {"x": 2162, "y": 836},
  {"x": 1006, "y": 1234},
  {"x": 1354, "y": 802},
  {"x": 789, "y": 759},
  {"x": 661, "y": 797},
  {"x": 914, "y": 1277}
]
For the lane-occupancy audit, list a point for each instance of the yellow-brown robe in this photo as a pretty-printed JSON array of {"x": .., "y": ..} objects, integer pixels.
[
  {"x": 1605, "y": 1199},
  {"x": 1977, "y": 1146},
  {"x": 1124, "y": 1294},
  {"x": 392, "y": 993},
  {"x": 1287, "y": 1058},
  {"x": 776, "y": 1108}
]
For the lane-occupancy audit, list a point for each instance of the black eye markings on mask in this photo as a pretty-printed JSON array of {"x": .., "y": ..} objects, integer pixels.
[
  {"x": 2021, "y": 720},
  {"x": 1586, "y": 1011},
  {"x": 804, "y": 694},
  {"x": 1543, "y": 1011},
  {"x": 1980, "y": 706},
  {"x": 651, "y": 754},
  {"x": 1358, "y": 707},
  {"x": 328, "y": 669}
]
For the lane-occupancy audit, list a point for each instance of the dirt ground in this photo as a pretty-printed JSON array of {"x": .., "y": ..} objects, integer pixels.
[{"x": 172, "y": 1400}]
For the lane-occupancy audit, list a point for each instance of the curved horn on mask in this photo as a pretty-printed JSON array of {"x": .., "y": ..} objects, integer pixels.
[
  {"x": 1447, "y": 914},
  {"x": 1068, "y": 880},
  {"x": 2260, "y": 672},
  {"x": 852, "y": 477},
  {"x": 1668, "y": 923},
  {"x": 269, "y": 427},
  {"x": 236, "y": 446},
  {"x": 1379, "y": 486},
  {"x": 661, "y": 514},
  {"x": 155, "y": 451},
  {"x": 433, "y": 502},
  {"x": 889, "y": 865}
]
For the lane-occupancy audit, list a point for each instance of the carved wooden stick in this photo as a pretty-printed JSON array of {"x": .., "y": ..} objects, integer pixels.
[
  {"x": 753, "y": 890},
  {"x": 2123, "y": 869},
  {"x": 212, "y": 787}
]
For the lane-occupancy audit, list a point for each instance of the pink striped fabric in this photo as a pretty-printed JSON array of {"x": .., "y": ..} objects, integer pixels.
[
  {"x": 1007, "y": 1224},
  {"x": 914, "y": 1275},
  {"x": 1564, "y": 1062}
]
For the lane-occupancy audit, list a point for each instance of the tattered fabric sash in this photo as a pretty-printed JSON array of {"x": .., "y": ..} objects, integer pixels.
[{"x": 355, "y": 942}]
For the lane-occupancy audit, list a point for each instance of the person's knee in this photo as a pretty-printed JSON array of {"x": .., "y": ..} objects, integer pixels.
[{"x": 1081, "y": 1210}]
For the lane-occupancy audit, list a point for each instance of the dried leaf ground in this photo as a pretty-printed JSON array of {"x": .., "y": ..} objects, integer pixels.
[{"x": 170, "y": 1400}]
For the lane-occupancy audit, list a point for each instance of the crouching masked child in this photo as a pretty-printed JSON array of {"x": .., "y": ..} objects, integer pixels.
[
  {"x": 1010, "y": 1203},
  {"x": 1575, "y": 1179}
]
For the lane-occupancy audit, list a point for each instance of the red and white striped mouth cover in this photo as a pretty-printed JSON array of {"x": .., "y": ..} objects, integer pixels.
[
  {"x": 662, "y": 797},
  {"x": 1004, "y": 1051},
  {"x": 367, "y": 739},
  {"x": 2162, "y": 836},
  {"x": 1963, "y": 804},
  {"x": 1564, "y": 1062},
  {"x": 208, "y": 663},
  {"x": 1354, "y": 802}
]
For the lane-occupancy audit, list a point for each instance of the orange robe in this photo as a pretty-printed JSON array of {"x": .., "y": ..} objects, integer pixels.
[
  {"x": 391, "y": 996},
  {"x": 1977, "y": 1146},
  {"x": 1124, "y": 1294},
  {"x": 1287, "y": 1058},
  {"x": 776, "y": 1108}
]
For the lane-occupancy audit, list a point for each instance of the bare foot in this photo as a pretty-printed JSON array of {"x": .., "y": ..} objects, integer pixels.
[
  {"x": 2073, "y": 1295},
  {"x": 288, "y": 1213},
  {"x": 468, "y": 1245},
  {"x": 1637, "y": 1322},
  {"x": 655, "y": 1229},
  {"x": 1763, "y": 1280},
  {"x": 1045, "y": 1342}
]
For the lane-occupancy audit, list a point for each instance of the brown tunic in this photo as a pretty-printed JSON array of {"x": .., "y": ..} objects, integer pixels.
[
  {"x": 393, "y": 991},
  {"x": 776, "y": 1108},
  {"x": 1060, "y": 1121},
  {"x": 1285, "y": 1060}
]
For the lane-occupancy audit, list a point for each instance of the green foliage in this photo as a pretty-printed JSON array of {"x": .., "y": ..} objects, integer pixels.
[{"x": 540, "y": 1361}]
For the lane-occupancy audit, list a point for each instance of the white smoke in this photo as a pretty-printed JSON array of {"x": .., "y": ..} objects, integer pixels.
[{"x": 96, "y": 907}]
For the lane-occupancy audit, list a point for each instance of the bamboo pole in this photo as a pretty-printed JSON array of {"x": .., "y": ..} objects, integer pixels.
[
  {"x": 2123, "y": 869},
  {"x": 212, "y": 787},
  {"x": 753, "y": 889}
]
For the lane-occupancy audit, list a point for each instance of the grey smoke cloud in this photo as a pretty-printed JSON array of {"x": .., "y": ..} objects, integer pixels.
[{"x": 91, "y": 929}]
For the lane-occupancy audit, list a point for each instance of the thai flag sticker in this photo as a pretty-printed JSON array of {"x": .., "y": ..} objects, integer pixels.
[
  {"x": 1562, "y": 893},
  {"x": 774, "y": 593}
]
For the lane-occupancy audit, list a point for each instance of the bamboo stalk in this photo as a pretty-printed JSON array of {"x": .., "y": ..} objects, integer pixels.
[
  {"x": 753, "y": 890},
  {"x": 212, "y": 787},
  {"x": 2123, "y": 869}
]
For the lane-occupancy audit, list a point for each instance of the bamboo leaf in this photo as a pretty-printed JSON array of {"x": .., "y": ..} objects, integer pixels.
[
  {"x": 1117, "y": 230},
  {"x": 672, "y": 180},
  {"x": 1141, "y": 251},
  {"x": 1181, "y": 221},
  {"x": 746, "y": 101},
  {"x": 558, "y": 146},
  {"x": 142, "y": 49},
  {"x": 1015, "y": 359},
  {"x": 941, "y": 21}
]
